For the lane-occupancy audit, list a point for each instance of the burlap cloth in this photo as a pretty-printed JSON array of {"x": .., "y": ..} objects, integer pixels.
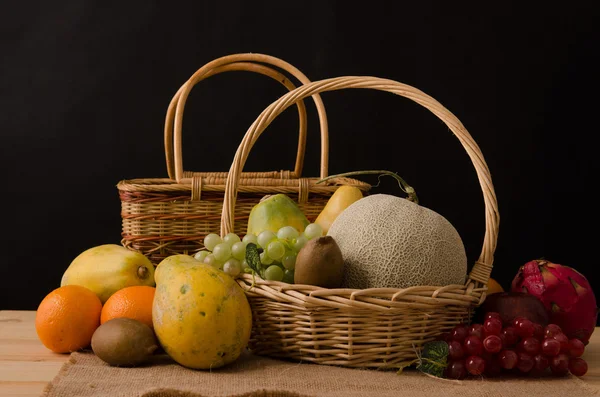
[{"x": 86, "y": 375}]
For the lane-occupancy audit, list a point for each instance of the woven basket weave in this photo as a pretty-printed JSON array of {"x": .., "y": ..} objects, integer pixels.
[
  {"x": 378, "y": 327},
  {"x": 167, "y": 216}
]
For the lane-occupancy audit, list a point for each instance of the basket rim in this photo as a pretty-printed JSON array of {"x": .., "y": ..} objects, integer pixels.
[
  {"x": 378, "y": 299},
  {"x": 247, "y": 185}
]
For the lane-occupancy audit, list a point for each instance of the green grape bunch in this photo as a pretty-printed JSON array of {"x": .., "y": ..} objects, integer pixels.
[{"x": 277, "y": 252}]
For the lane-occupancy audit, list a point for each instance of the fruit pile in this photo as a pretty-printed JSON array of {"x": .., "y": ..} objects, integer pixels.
[
  {"x": 518, "y": 347},
  {"x": 278, "y": 251},
  {"x": 115, "y": 301},
  {"x": 72, "y": 317}
]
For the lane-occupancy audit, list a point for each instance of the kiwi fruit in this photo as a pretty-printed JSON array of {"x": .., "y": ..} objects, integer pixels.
[
  {"x": 124, "y": 342},
  {"x": 320, "y": 263}
]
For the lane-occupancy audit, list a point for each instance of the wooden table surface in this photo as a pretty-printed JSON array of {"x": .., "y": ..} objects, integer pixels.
[{"x": 26, "y": 366}]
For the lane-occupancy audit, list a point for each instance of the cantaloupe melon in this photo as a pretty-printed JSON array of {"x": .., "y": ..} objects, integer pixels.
[{"x": 390, "y": 242}]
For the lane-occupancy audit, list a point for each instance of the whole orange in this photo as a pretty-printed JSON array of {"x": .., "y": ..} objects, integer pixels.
[
  {"x": 493, "y": 287},
  {"x": 130, "y": 302},
  {"x": 67, "y": 318}
]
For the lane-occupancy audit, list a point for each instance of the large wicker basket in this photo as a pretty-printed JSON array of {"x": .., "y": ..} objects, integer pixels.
[
  {"x": 166, "y": 216},
  {"x": 376, "y": 328}
]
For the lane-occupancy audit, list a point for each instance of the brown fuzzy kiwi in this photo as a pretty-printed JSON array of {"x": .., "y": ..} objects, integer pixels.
[
  {"x": 124, "y": 342},
  {"x": 320, "y": 263}
]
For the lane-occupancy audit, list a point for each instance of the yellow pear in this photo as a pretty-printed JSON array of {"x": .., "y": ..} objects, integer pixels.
[{"x": 338, "y": 202}]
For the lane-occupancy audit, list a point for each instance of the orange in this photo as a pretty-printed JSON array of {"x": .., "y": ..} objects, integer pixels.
[
  {"x": 131, "y": 302},
  {"x": 493, "y": 287},
  {"x": 67, "y": 318}
]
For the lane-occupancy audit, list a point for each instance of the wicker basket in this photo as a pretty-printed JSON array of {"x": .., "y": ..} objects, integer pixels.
[
  {"x": 166, "y": 216},
  {"x": 374, "y": 328}
]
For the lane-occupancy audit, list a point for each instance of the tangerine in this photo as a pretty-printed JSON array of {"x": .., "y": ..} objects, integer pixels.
[
  {"x": 67, "y": 318},
  {"x": 493, "y": 287},
  {"x": 130, "y": 302}
]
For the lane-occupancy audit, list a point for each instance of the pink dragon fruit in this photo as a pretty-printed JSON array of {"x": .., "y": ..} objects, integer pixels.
[{"x": 565, "y": 293}]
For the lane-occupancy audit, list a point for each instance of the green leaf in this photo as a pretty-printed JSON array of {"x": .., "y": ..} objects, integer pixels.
[
  {"x": 253, "y": 259},
  {"x": 434, "y": 358}
]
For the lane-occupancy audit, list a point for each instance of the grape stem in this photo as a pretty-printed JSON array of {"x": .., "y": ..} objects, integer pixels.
[{"x": 405, "y": 187}]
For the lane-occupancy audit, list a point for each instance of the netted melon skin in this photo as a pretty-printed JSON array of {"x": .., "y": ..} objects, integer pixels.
[{"x": 390, "y": 242}]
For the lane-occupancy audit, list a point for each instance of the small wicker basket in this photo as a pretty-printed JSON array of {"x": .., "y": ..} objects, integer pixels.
[
  {"x": 167, "y": 216},
  {"x": 372, "y": 328}
]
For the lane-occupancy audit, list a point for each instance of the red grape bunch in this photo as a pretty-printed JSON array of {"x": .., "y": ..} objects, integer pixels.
[{"x": 519, "y": 347}]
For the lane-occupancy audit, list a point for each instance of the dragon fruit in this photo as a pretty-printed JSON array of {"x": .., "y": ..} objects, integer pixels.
[{"x": 566, "y": 294}]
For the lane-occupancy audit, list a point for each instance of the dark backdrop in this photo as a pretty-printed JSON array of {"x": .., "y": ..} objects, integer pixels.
[{"x": 85, "y": 87}]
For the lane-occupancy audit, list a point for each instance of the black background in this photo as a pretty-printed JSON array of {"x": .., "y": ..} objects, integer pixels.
[{"x": 85, "y": 87}]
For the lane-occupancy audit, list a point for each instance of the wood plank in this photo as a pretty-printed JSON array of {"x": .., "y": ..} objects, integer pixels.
[
  {"x": 17, "y": 325},
  {"x": 592, "y": 356},
  {"x": 27, "y": 371},
  {"x": 20, "y": 389},
  {"x": 16, "y": 316},
  {"x": 26, "y": 366},
  {"x": 27, "y": 350}
]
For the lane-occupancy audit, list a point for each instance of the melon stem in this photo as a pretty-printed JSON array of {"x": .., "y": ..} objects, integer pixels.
[{"x": 405, "y": 187}]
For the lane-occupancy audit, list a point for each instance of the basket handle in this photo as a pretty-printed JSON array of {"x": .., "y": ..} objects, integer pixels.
[
  {"x": 483, "y": 266},
  {"x": 241, "y": 62}
]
